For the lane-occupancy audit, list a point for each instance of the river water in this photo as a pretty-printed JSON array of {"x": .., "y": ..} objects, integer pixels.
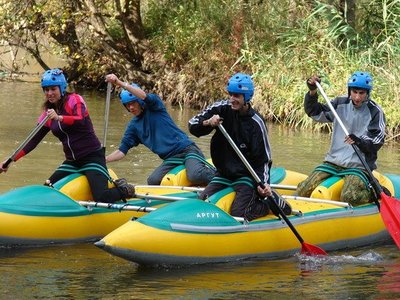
[{"x": 84, "y": 271}]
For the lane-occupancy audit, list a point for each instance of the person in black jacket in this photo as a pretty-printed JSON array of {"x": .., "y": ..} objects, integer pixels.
[{"x": 247, "y": 129}]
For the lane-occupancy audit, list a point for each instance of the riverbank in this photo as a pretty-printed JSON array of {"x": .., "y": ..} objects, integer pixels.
[{"x": 280, "y": 103}]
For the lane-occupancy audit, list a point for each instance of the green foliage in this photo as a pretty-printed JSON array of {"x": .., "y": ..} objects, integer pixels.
[
  {"x": 183, "y": 30},
  {"x": 281, "y": 44},
  {"x": 194, "y": 46},
  {"x": 115, "y": 29}
]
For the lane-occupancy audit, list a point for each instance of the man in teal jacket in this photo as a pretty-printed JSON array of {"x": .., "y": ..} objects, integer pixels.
[{"x": 153, "y": 127}]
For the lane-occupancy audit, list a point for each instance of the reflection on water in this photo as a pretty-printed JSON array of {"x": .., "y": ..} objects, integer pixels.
[{"x": 83, "y": 271}]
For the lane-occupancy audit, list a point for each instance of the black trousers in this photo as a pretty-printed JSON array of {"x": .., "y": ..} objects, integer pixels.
[
  {"x": 98, "y": 182},
  {"x": 247, "y": 203}
]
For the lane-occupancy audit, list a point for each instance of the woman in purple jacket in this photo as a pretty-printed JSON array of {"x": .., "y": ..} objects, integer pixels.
[{"x": 70, "y": 122}]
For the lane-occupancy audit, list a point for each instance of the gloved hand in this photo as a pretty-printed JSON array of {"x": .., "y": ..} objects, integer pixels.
[
  {"x": 355, "y": 138},
  {"x": 311, "y": 82}
]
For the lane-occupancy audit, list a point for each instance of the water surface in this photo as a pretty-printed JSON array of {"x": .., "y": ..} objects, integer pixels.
[{"x": 84, "y": 271}]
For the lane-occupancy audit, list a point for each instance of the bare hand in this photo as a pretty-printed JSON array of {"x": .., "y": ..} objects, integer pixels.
[
  {"x": 264, "y": 192},
  {"x": 112, "y": 78},
  {"x": 348, "y": 140},
  {"x": 313, "y": 79},
  {"x": 53, "y": 115},
  {"x": 213, "y": 121}
]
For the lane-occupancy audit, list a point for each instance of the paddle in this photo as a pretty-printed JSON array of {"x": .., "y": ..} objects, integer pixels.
[
  {"x": 389, "y": 205},
  {"x": 317, "y": 200},
  {"x": 174, "y": 187},
  {"x": 107, "y": 113},
  {"x": 199, "y": 189},
  {"x": 283, "y": 187},
  {"x": 173, "y": 198},
  {"x": 117, "y": 206},
  {"x": 307, "y": 249},
  {"x": 305, "y": 199},
  {"x": 131, "y": 207},
  {"x": 23, "y": 144},
  {"x": 160, "y": 197}
]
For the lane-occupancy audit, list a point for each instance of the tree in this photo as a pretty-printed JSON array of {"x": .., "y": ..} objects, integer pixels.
[{"x": 94, "y": 36}]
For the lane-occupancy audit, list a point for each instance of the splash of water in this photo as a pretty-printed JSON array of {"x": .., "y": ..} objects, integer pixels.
[{"x": 316, "y": 262}]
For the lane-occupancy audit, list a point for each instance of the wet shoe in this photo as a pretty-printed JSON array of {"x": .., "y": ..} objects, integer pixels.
[
  {"x": 127, "y": 190},
  {"x": 282, "y": 203}
]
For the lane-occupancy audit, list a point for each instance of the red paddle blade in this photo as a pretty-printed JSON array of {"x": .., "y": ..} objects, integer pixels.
[
  {"x": 390, "y": 213},
  {"x": 311, "y": 250}
]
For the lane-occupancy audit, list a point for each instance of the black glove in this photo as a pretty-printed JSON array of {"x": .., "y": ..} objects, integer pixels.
[
  {"x": 355, "y": 138},
  {"x": 312, "y": 86}
]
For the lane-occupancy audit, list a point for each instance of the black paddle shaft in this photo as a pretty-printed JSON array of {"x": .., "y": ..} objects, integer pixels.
[
  {"x": 284, "y": 217},
  {"x": 259, "y": 182},
  {"x": 27, "y": 140},
  {"x": 8, "y": 161},
  {"x": 373, "y": 182}
]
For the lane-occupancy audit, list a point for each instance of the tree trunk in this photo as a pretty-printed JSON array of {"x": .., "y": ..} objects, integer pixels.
[
  {"x": 351, "y": 13},
  {"x": 127, "y": 52}
]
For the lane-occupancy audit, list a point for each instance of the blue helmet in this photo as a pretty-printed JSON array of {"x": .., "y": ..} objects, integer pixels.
[
  {"x": 127, "y": 96},
  {"x": 241, "y": 84},
  {"x": 55, "y": 77},
  {"x": 361, "y": 80}
]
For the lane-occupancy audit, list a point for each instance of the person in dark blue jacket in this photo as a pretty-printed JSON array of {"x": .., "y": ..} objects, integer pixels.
[{"x": 153, "y": 127}]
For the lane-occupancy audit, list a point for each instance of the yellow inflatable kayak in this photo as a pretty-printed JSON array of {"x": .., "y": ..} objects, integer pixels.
[
  {"x": 40, "y": 215},
  {"x": 195, "y": 232}
]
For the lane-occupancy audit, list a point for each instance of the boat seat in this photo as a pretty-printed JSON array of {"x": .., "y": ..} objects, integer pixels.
[
  {"x": 77, "y": 186},
  {"x": 178, "y": 177},
  {"x": 223, "y": 199},
  {"x": 279, "y": 175},
  {"x": 388, "y": 181},
  {"x": 331, "y": 188}
]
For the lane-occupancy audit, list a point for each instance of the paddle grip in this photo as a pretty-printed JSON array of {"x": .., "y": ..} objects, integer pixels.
[{"x": 8, "y": 161}]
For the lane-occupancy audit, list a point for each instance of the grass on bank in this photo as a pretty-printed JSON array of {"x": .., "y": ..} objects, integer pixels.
[{"x": 281, "y": 43}]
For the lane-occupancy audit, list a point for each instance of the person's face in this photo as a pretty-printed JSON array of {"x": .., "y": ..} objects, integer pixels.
[
  {"x": 358, "y": 96},
  {"x": 237, "y": 101},
  {"x": 134, "y": 108},
  {"x": 52, "y": 93}
]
